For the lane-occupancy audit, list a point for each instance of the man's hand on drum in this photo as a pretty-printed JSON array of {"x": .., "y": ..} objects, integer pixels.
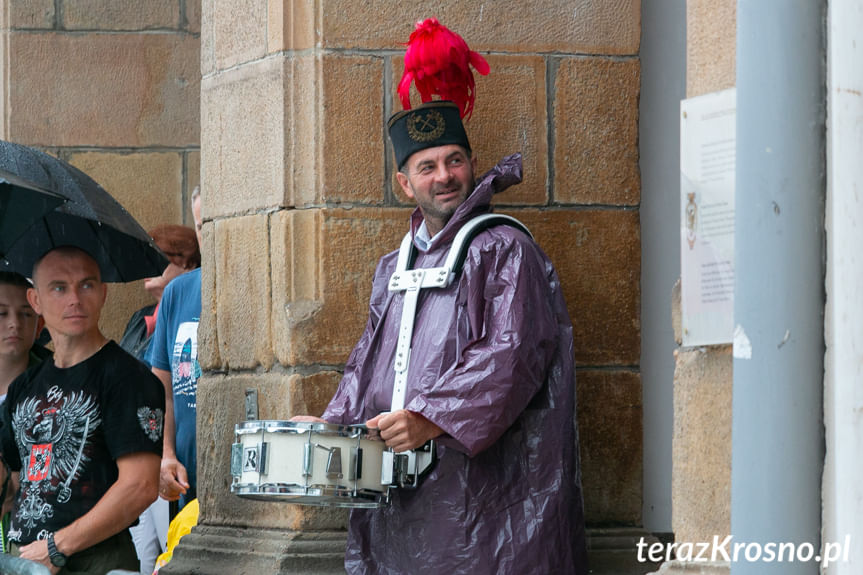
[
  {"x": 404, "y": 430},
  {"x": 173, "y": 480}
]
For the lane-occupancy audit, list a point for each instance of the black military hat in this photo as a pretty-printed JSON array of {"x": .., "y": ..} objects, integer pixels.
[{"x": 429, "y": 125}]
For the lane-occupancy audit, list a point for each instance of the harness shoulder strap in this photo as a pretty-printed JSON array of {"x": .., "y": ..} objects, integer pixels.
[
  {"x": 406, "y": 254},
  {"x": 458, "y": 252}
]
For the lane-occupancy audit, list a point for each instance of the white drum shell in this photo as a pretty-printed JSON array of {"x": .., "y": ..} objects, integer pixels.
[{"x": 284, "y": 474}]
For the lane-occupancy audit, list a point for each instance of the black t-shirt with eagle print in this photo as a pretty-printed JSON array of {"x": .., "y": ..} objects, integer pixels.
[{"x": 63, "y": 429}]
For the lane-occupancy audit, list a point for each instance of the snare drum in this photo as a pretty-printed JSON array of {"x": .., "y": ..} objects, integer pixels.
[{"x": 309, "y": 463}]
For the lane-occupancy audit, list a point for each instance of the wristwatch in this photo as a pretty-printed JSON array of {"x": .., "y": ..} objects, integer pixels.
[{"x": 57, "y": 558}]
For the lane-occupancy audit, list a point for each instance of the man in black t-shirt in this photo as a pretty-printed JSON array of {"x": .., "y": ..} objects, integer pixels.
[{"x": 83, "y": 429}]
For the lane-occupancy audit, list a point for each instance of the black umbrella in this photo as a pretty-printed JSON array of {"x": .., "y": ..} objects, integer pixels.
[
  {"x": 21, "y": 205},
  {"x": 89, "y": 219}
]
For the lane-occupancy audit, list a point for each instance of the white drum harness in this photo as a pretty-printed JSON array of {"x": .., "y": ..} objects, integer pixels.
[
  {"x": 410, "y": 467},
  {"x": 411, "y": 281}
]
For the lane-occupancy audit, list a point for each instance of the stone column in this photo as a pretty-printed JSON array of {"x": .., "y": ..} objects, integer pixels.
[
  {"x": 701, "y": 442},
  {"x": 300, "y": 202}
]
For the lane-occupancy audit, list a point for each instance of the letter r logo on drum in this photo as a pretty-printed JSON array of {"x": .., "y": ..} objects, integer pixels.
[{"x": 250, "y": 459}]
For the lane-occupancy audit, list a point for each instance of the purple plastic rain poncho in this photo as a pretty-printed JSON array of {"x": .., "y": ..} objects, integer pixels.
[{"x": 492, "y": 365}]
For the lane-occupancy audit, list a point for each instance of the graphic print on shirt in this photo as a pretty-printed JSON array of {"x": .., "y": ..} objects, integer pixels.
[
  {"x": 51, "y": 433},
  {"x": 151, "y": 422},
  {"x": 187, "y": 370}
]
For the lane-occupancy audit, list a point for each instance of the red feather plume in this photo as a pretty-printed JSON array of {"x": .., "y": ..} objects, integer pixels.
[{"x": 439, "y": 61}]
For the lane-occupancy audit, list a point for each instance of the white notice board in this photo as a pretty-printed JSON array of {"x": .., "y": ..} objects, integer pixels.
[{"x": 707, "y": 148}]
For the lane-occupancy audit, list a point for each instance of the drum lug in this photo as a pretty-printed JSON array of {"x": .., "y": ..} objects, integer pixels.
[
  {"x": 307, "y": 459},
  {"x": 265, "y": 458},
  {"x": 388, "y": 466},
  {"x": 355, "y": 472},
  {"x": 236, "y": 460}
]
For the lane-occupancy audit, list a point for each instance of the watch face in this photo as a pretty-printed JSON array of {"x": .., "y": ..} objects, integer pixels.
[{"x": 57, "y": 559}]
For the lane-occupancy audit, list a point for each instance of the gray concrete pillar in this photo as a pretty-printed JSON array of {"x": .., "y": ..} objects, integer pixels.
[{"x": 777, "y": 430}]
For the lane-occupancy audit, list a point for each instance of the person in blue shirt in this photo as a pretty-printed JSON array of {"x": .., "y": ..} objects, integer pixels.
[{"x": 173, "y": 355}]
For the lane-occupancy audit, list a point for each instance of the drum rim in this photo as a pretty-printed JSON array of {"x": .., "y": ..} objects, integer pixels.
[
  {"x": 321, "y": 495},
  {"x": 301, "y": 427}
]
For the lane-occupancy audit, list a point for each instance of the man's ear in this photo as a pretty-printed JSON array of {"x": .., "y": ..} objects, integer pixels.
[
  {"x": 33, "y": 300},
  {"x": 405, "y": 184},
  {"x": 473, "y": 162}
]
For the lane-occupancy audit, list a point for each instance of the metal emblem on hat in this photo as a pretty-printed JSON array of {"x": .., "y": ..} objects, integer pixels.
[{"x": 426, "y": 127}]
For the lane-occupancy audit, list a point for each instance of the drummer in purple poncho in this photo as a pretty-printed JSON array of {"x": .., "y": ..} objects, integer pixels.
[{"x": 481, "y": 363}]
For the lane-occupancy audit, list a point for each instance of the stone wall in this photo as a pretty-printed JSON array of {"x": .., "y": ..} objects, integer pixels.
[
  {"x": 701, "y": 474},
  {"x": 711, "y": 46},
  {"x": 112, "y": 86},
  {"x": 300, "y": 202}
]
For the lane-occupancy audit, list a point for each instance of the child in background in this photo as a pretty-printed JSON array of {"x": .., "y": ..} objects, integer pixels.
[{"x": 19, "y": 325}]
